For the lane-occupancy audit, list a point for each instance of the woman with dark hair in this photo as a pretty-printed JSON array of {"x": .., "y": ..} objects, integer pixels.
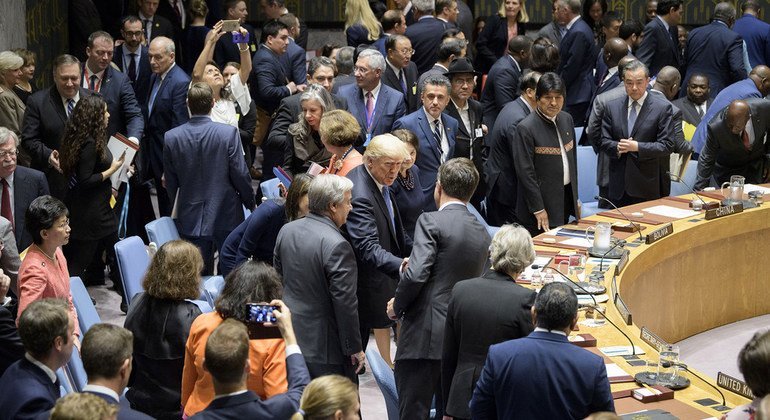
[
  {"x": 255, "y": 237},
  {"x": 339, "y": 130},
  {"x": 88, "y": 164},
  {"x": 194, "y": 34},
  {"x": 24, "y": 87},
  {"x": 305, "y": 145},
  {"x": 160, "y": 318},
  {"x": 592, "y": 13},
  {"x": 43, "y": 272},
  {"x": 252, "y": 282},
  {"x": 544, "y": 56},
  {"x": 499, "y": 29},
  {"x": 407, "y": 189}
]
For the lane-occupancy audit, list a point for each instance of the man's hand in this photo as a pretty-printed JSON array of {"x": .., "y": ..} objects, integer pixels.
[
  {"x": 358, "y": 360},
  {"x": 292, "y": 87},
  {"x": 542, "y": 220},
  {"x": 53, "y": 160},
  {"x": 627, "y": 145},
  {"x": 404, "y": 265},
  {"x": 5, "y": 284},
  {"x": 301, "y": 88},
  {"x": 283, "y": 321},
  {"x": 390, "y": 310}
]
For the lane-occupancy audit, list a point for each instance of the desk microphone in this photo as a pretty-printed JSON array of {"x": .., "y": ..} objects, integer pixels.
[
  {"x": 681, "y": 181},
  {"x": 636, "y": 225},
  {"x": 668, "y": 364},
  {"x": 619, "y": 243},
  {"x": 596, "y": 307}
]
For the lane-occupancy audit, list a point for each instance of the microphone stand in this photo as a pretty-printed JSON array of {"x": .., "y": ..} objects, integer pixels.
[
  {"x": 684, "y": 366},
  {"x": 679, "y": 179},
  {"x": 636, "y": 225},
  {"x": 601, "y": 261}
]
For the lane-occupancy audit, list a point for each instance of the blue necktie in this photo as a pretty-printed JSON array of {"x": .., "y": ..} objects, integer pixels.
[
  {"x": 154, "y": 93},
  {"x": 70, "y": 107},
  {"x": 632, "y": 117},
  {"x": 389, "y": 205},
  {"x": 403, "y": 81}
]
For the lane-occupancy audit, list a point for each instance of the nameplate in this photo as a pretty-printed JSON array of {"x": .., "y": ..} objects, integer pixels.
[
  {"x": 614, "y": 289},
  {"x": 723, "y": 211},
  {"x": 623, "y": 309},
  {"x": 659, "y": 234},
  {"x": 735, "y": 385},
  {"x": 650, "y": 338},
  {"x": 621, "y": 262}
]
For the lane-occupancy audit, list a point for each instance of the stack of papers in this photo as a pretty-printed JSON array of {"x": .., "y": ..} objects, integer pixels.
[{"x": 672, "y": 212}]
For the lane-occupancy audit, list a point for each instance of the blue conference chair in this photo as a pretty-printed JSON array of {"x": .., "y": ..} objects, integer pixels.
[
  {"x": 133, "y": 261},
  {"x": 385, "y": 379},
  {"x": 490, "y": 229},
  {"x": 690, "y": 173},
  {"x": 587, "y": 187},
  {"x": 87, "y": 315},
  {"x": 270, "y": 188},
  {"x": 65, "y": 384},
  {"x": 212, "y": 288},
  {"x": 162, "y": 230},
  {"x": 76, "y": 371}
]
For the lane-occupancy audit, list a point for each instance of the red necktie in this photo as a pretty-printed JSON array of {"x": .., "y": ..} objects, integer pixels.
[
  {"x": 745, "y": 138},
  {"x": 5, "y": 208}
]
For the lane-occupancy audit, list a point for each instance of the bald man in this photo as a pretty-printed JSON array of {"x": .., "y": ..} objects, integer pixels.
[
  {"x": 667, "y": 85},
  {"x": 735, "y": 144}
]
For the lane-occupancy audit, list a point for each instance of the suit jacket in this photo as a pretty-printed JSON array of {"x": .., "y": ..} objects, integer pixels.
[
  {"x": 492, "y": 43},
  {"x": 208, "y": 200},
  {"x": 593, "y": 132},
  {"x": 717, "y": 52},
  {"x": 743, "y": 89},
  {"x": 41, "y": 134},
  {"x": 450, "y": 245},
  {"x": 725, "y": 155},
  {"x": 390, "y": 106},
  {"x": 659, "y": 47},
  {"x": 9, "y": 257},
  {"x": 436, "y": 70},
  {"x": 502, "y": 87},
  {"x": 465, "y": 22},
  {"x": 429, "y": 155},
  {"x": 756, "y": 34},
  {"x": 26, "y": 391},
  {"x": 11, "y": 347},
  {"x": 342, "y": 80},
  {"x": 638, "y": 174},
  {"x": 483, "y": 311},
  {"x": 294, "y": 63},
  {"x": 578, "y": 52},
  {"x": 28, "y": 184},
  {"x": 249, "y": 406},
  {"x": 500, "y": 167},
  {"x": 268, "y": 79},
  {"x": 161, "y": 26},
  {"x": 390, "y": 78},
  {"x": 357, "y": 35},
  {"x": 425, "y": 35},
  {"x": 380, "y": 44},
  {"x": 608, "y": 85},
  {"x": 541, "y": 376},
  {"x": 142, "y": 84},
  {"x": 380, "y": 246},
  {"x": 465, "y": 140},
  {"x": 551, "y": 31},
  {"x": 125, "y": 113},
  {"x": 124, "y": 413},
  {"x": 319, "y": 285},
  {"x": 689, "y": 113},
  {"x": 168, "y": 111}
]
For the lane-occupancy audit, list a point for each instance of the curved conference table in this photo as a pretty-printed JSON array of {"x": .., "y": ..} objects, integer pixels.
[{"x": 704, "y": 275}]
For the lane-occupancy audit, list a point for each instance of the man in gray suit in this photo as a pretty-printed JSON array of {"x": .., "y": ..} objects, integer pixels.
[
  {"x": 319, "y": 280},
  {"x": 450, "y": 245}
]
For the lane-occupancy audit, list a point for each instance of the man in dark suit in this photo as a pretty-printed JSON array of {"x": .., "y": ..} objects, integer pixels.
[
  {"x": 614, "y": 50},
  {"x": 294, "y": 62},
  {"x": 407, "y": 9},
  {"x": 631, "y": 31},
  {"x": 375, "y": 105},
  {"x": 435, "y": 130},
  {"x": 447, "y": 11},
  {"x": 226, "y": 50},
  {"x": 9, "y": 263},
  {"x": 106, "y": 354},
  {"x": 47, "y": 113},
  {"x": 499, "y": 167},
  {"x": 469, "y": 140},
  {"x": 465, "y": 20},
  {"x": 154, "y": 25},
  {"x": 29, "y": 387},
  {"x": 697, "y": 101},
  {"x": 132, "y": 51},
  {"x": 344, "y": 62},
  {"x": 269, "y": 82},
  {"x": 736, "y": 144},
  {"x": 377, "y": 234},
  {"x": 319, "y": 273},
  {"x": 502, "y": 84},
  {"x": 636, "y": 134},
  {"x": 227, "y": 360},
  {"x": 400, "y": 72},
  {"x": 483, "y": 311},
  {"x": 274, "y": 9},
  {"x": 393, "y": 23},
  {"x": 543, "y": 375},
  {"x": 578, "y": 53},
  {"x": 553, "y": 30},
  {"x": 449, "y": 49},
  {"x": 755, "y": 32},
  {"x": 660, "y": 39},
  {"x": 24, "y": 185},
  {"x": 166, "y": 108},
  {"x": 425, "y": 34},
  {"x": 174, "y": 11},
  {"x": 11, "y": 347},
  {"x": 450, "y": 245},
  {"x": 208, "y": 202},
  {"x": 716, "y": 51}
]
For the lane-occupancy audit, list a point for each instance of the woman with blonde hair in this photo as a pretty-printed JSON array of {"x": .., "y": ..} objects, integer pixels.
[
  {"x": 329, "y": 397},
  {"x": 305, "y": 146},
  {"x": 361, "y": 26},
  {"x": 11, "y": 106},
  {"x": 24, "y": 87},
  {"x": 510, "y": 21}
]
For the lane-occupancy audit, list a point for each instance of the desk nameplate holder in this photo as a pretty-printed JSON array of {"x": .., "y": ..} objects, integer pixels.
[
  {"x": 652, "y": 339},
  {"x": 625, "y": 313},
  {"x": 621, "y": 263},
  {"x": 659, "y": 233},
  {"x": 723, "y": 211},
  {"x": 734, "y": 385}
]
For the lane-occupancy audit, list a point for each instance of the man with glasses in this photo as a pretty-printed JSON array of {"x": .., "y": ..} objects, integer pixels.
[
  {"x": 401, "y": 72},
  {"x": 131, "y": 57}
]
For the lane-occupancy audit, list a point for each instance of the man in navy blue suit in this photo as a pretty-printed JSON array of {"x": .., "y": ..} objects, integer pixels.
[
  {"x": 755, "y": 32},
  {"x": 106, "y": 354},
  {"x": 294, "y": 62},
  {"x": 578, "y": 56},
  {"x": 435, "y": 130},
  {"x": 166, "y": 108},
  {"x": 393, "y": 23},
  {"x": 716, "y": 51},
  {"x": 543, "y": 375},
  {"x": 132, "y": 51},
  {"x": 614, "y": 50},
  {"x": 502, "y": 86},
  {"x": 660, "y": 40},
  {"x": 29, "y": 388},
  {"x": 375, "y": 105},
  {"x": 207, "y": 176},
  {"x": 269, "y": 82},
  {"x": 425, "y": 34}
]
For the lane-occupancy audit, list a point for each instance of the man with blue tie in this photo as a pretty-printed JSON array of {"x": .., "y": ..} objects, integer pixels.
[
  {"x": 435, "y": 130},
  {"x": 166, "y": 109}
]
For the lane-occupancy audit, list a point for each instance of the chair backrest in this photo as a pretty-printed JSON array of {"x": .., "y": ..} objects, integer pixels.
[
  {"x": 690, "y": 173},
  {"x": 270, "y": 188},
  {"x": 212, "y": 288},
  {"x": 133, "y": 261},
  {"x": 586, "y": 170},
  {"x": 162, "y": 230},
  {"x": 385, "y": 379},
  {"x": 491, "y": 230},
  {"x": 202, "y": 305},
  {"x": 76, "y": 371},
  {"x": 87, "y": 315},
  {"x": 65, "y": 384}
]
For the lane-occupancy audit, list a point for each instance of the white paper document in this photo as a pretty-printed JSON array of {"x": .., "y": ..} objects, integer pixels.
[
  {"x": 117, "y": 145},
  {"x": 615, "y": 371},
  {"x": 751, "y": 187},
  {"x": 673, "y": 212},
  {"x": 577, "y": 242}
]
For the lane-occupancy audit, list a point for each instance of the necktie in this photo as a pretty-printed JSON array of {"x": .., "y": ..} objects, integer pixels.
[
  {"x": 154, "y": 93},
  {"x": 132, "y": 67},
  {"x": 147, "y": 23},
  {"x": 437, "y": 136},
  {"x": 92, "y": 85},
  {"x": 744, "y": 137},
  {"x": 369, "y": 108},
  {"x": 5, "y": 208},
  {"x": 700, "y": 111},
  {"x": 389, "y": 205},
  {"x": 632, "y": 117},
  {"x": 70, "y": 107},
  {"x": 402, "y": 80}
]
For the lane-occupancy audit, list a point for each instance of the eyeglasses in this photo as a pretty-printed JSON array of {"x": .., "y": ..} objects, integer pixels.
[
  {"x": 407, "y": 52},
  {"x": 12, "y": 153},
  {"x": 362, "y": 70},
  {"x": 136, "y": 34}
]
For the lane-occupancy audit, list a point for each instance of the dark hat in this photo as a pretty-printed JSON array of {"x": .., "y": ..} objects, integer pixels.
[{"x": 461, "y": 65}]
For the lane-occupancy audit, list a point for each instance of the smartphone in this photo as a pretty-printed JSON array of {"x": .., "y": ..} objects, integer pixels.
[
  {"x": 261, "y": 313},
  {"x": 257, "y": 316},
  {"x": 230, "y": 25}
]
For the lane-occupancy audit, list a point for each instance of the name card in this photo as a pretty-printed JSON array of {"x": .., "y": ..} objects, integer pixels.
[
  {"x": 734, "y": 385},
  {"x": 621, "y": 262},
  {"x": 723, "y": 211},
  {"x": 650, "y": 338},
  {"x": 623, "y": 309},
  {"x": 659, "y": 234}
]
